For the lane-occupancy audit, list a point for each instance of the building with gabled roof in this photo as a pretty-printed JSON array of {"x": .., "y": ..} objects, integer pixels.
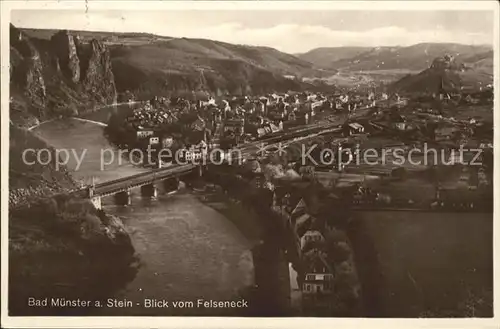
[{"x": 319, "y": 276}]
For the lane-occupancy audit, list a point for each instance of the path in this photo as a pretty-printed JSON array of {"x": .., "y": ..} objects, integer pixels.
[
  {"x": 91, "y": 121},
  {"x": 95, "y": 109}
]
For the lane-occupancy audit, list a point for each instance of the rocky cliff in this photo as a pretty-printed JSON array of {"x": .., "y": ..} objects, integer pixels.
[
  {"x": 146, "y": 65},
  {"x": 445, "y": 74},
  {"x": 56, "y": 77},
  {"x": 59, "y": 246}
]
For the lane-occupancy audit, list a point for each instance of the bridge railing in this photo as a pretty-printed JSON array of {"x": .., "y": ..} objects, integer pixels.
[
  {"x": 143, "y": 178},
  {"x": 153, "y": 172}
]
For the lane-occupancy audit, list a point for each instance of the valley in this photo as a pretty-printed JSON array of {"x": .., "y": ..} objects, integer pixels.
[{"x": 318, "y": 233}]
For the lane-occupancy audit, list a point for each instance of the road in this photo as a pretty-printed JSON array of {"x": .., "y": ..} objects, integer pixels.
[{"x": 95, "y": 109}]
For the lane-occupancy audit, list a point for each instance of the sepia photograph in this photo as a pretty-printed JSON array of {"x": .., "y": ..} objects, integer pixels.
[{"x": 262, "y": 160}]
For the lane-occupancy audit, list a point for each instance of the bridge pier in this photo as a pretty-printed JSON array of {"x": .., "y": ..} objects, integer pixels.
[
  {"x": 149, "y": 191},
  {"x": 96, "y": 201},
  {"x": 200, "y": 171},
  {"x": 171, "y": 184},
  {"x": 123, "y": 198}
]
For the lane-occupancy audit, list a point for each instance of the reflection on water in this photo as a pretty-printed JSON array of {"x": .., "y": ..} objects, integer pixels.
[
  {"x": 87, "y": 139},
  {"x": 187, "y": 251}
]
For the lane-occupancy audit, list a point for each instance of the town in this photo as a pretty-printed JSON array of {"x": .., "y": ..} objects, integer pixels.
[
  {"x": 316, "y": 163},
  {"x": 342, "y": 120}
]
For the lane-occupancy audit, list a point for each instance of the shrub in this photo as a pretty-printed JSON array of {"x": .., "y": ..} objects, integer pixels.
[{"x": 339, "y": 251}]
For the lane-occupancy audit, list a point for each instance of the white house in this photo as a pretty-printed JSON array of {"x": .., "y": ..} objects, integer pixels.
[
  {"x": 311, "y": 236},
  {"x": 318, "y": 279},
  {"x": 154, "y": 140},
  {"x": 144, "y": 133},
  {"x": 357, "y": 128}
]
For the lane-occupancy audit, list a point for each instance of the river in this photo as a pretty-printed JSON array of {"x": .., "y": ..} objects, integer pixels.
[{"x": 187, "y": 248}]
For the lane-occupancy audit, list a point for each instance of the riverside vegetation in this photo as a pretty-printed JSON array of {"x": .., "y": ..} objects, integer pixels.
[
  {"x": 272, "y": 192},
  {"x": 59, "y": 246}
]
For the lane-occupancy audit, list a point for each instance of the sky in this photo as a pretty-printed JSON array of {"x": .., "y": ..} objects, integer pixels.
[{"x": 288, "y": 31}]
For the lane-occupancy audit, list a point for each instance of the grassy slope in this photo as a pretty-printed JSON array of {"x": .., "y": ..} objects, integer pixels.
[
  {"x": 429, "y": 80},
  {"x": 162, "y": 65}
]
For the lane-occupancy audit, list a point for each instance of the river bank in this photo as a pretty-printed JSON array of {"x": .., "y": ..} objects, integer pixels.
[
  {"x": 272, "y": 292},
  {"x": 64, "y": 248},
  {"x": 59, "y": 246},
  {"x": 282, "y": 237}
]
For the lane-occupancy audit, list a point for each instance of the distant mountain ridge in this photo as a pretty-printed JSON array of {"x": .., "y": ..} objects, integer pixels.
[
  {"x": 416, "y": 57},
  {"x": 59, "y": 72},
  {"x": 327, "y": 56}
]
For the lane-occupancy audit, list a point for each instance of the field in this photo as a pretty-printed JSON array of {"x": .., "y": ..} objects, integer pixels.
[{"x": 429, "y": 264}]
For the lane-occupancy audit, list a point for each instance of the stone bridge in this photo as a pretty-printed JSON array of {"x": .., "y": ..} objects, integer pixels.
[{"x": 121, "y": 188}]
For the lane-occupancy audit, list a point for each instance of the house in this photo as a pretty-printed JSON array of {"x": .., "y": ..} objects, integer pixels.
[
  {"x": 274, "y": 128},
  {"x": 344, "y": 99},
  {"x": 338, "y": 105},
  {"x": 217, "y": 116},
  {"x": 143, "y": 133},
  {"x": 398, "y": 121},
  {"x": 400, "y": 125},
  {"x": 317, "y": 104},
  {"x": 261, "y": 132},
  {"x": 195, "y": 152},
  {"x": 318, "y": 280},
  {"x": 395, "y": 98},
  {"x": 311, "y": 98},
  {"x": 352, "y": 128},
  {"x": 235, "y": 126},
  {"x": 280, "y": 125},
  {"x": 311, "y": 236},
  {"x": 211, "y": 101},
  {"x": 167, "y": 141},
  {"x": 275, "y": 115}
]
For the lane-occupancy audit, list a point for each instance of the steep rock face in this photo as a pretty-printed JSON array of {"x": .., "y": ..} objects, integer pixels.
[
  {"x": 57, "y": 76},
  {"x": 26, "y": 67},
  {"x": 63, "y": 45},
  {"x": 98, "y": 76}
]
